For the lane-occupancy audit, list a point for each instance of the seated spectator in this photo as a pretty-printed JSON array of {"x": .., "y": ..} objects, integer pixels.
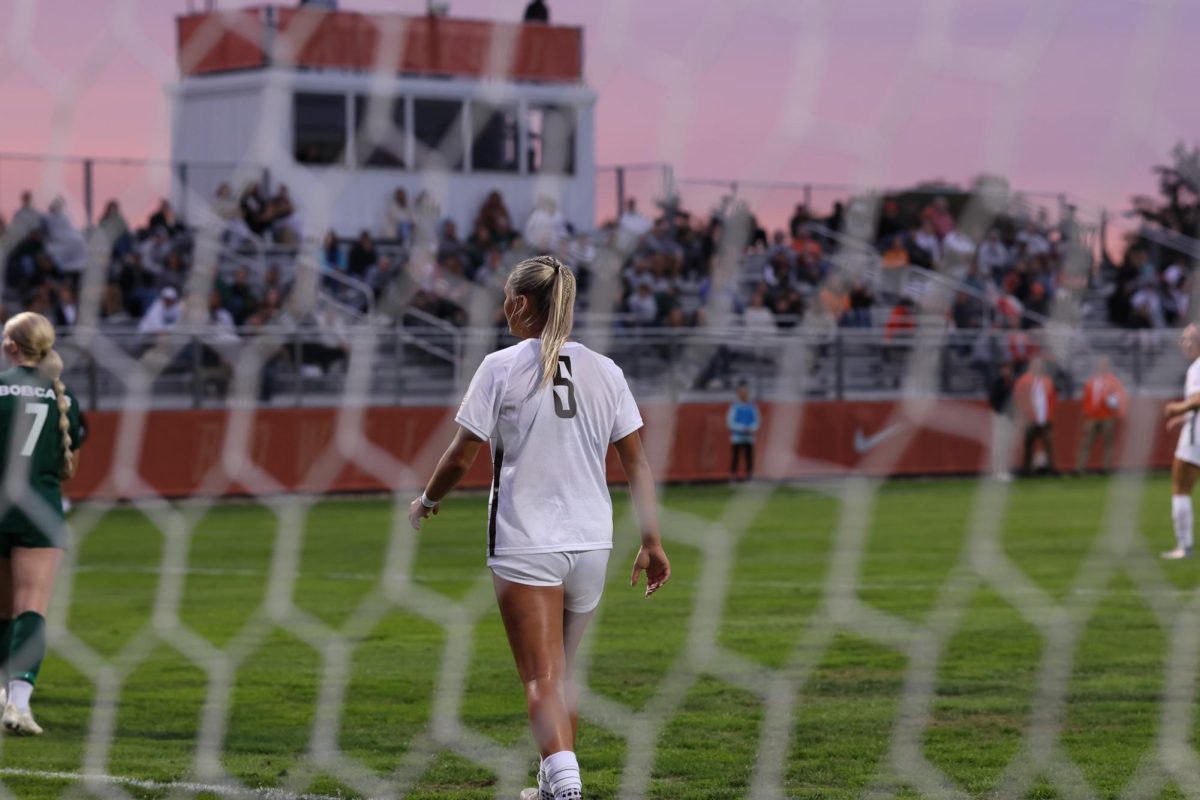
[
  {"x": 492, "y": 274},
  {"x": 163, "y": 219},
  {"x": 26, "y": 220},
  {"x": 938, "y": 215},
  {"x": 163, "y": 314},
  {"x": 331, "y": 256},
  {"x": 65, "y": 309},
  {"x": 800, "y": 218},
  {"x": 757, "y": 318},
  {"x": 965, "y": 312},
  {"x": 225, "y": 205},
  {"x": 155, "y": 248},
  {"x": 139, "y": 287},
  {"x": 925, "y": 248},
  {"x": 835, "y": 300},
  {"x": 806, "y": 247},
  {"x": 890, "y": 224},
  {"x": 380, "y": 276},
  {"x": 478, "y": 245},
  {"x": 1032, "y": 241},
  {"x": 238, "y": 296},
  {"x": 112, "y": 306},
  {"x": 273, "y": 280},
  {"x": 643, "y": 305},
  {"x": 788, "y": 308},
  {"x": 958, "y": 251},
  {"x": 901, "y": 322},
  {"x": 254, "y": 209},
  {"x": 546, "y": 228},
  {"x": 362, "y": 256},
  {"x": 450, "y": 246},
  {"x": 21, "y": 269},
  {"x": 174, "y": 273},
  {"x": 493, "y": 214},
  {"x": 862, "y": 301}
]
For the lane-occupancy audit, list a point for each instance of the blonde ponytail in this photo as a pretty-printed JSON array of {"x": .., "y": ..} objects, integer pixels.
[
  {"x": 51, "y": 366},
  {"x": 33, "y": 336},
  {"x": 550, "y": 287}
]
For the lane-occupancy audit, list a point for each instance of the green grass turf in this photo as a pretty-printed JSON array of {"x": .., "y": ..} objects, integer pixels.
[{"x": 851, "y": 684}]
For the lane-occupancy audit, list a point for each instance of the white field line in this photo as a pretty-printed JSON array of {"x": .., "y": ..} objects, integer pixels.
[
  {"x": 814, "y": 586},
  {"x": 222, "y": 790}
]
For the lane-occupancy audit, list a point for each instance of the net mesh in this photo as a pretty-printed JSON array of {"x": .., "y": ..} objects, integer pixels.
[{"x": 137, "y": 382}]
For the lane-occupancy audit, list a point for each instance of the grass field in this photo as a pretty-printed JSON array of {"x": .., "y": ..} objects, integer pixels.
[{"x": 899, "y": 569}]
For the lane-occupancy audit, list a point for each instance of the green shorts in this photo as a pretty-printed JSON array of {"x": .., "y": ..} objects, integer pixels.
[{"x": 18, "y": 530}]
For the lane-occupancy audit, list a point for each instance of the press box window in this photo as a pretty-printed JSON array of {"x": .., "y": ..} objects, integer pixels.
[
  {"x": 437, "y": 127},
  {"x": 497, "y": 138},
  {"x": 319, "y": 130},
  {"x": 551, "y": 139},
  {"x": 379, "y": 131}
]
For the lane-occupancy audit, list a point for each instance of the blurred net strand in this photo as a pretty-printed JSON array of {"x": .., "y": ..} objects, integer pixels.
[{"x": 982, "y": 562}]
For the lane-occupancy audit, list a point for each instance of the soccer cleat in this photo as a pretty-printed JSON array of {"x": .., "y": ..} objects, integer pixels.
[
  {"x": 1177, "y": 553},
  {"x": 20, "y": 722},
  {"x": 536, "y": 793}
]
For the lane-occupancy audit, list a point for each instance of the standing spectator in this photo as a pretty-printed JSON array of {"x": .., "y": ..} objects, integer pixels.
[
  {"x": 331, "y": 256},
  {"x": 254, "y": 209},
  {"x": 164, "y": 219},
  {"x": 632, "y": 226},
  {"x": 537, "y": 11},
  {"x": 1104, "y": 402},
  {"x": 743, "y": 421},
  {"x": 285, "y": 222},
  {"x": 64, "y": 244},
  {"x": 1000, "y": 392},
  {"x": 1036, "y": 399},
  {"x": 115, "y": 231},
  {"x": 26, "y": 220},
  {"x": 398, "y": 219},
  {"x": 546, "y": 228},
  {"x": 362, "y": 255},
  {"x": 993, "y": 257}
]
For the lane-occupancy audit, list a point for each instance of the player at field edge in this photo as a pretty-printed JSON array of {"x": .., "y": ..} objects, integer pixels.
[
  {"x": 1186, "y": 464},
  {"x": 550, "y": 408},
  {"x": 39, "y": 446},
  {"x": 743, "y": 421}
]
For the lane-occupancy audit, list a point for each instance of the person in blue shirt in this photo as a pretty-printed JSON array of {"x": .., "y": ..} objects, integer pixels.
[{"x": 743, "y": 420}]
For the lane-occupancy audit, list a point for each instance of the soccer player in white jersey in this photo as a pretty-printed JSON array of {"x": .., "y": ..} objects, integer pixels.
[
  {"x": 550, "y": 408},
  {"x": 1182, "y": 414}
]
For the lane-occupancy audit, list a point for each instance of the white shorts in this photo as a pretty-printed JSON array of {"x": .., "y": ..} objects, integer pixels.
[
  {"x": 1188, "y": 448},
  {"x": 581, "y": 574}
]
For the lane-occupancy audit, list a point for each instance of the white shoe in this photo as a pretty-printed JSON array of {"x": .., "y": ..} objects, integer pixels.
[
  {"x": 20, "y": 722},
  {"x": 1004, "y": 477},
  {"x": 1177, "y": 554}
]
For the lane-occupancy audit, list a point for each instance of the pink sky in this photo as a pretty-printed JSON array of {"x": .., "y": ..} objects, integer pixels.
[{"x": 1081, "y": 97}]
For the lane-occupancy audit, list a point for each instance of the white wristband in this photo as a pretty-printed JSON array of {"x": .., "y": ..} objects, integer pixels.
[{"x": 425, "y": 501}]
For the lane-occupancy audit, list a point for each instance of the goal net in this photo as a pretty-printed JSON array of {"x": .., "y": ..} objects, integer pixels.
[{"x": 270, "y": 328}]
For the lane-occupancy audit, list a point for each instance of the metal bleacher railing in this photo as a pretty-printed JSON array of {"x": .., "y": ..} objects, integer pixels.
[{"x": 418, "y": 363}]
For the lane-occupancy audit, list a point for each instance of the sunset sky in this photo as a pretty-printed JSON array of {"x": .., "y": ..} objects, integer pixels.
[{"x": 1081, "y": 97}]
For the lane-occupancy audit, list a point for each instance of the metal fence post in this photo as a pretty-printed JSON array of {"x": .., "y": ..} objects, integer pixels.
[
  {"x": 1137, "y": 362},
  {"x": 298, "y": 367},
  {"x": 839, "y": 367},
  {"x": 808, "y": 196},
  {"x": 93, "y": 383},
  {"x": 197, "y": 376},
  {"x": 88, "y": 199},
  {"x": 620, "y": 191},
  {"x": 183, "y": 190}
]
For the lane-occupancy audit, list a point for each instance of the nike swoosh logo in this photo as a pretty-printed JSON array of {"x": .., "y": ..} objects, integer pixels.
[{"x": 864, "y": 443}]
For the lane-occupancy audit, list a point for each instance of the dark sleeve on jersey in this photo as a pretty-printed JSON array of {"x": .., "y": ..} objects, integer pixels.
[{"x": 75, "y": 422}]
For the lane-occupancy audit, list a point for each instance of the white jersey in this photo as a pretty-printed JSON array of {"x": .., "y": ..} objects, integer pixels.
[
  {"x": 549, "y": 486},
  {"x": 1188, "y": 448}
]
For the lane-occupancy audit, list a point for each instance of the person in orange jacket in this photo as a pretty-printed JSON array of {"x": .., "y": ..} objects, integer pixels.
[
  {"x": 1036, "y": 398},
  {"x": 1104, "y": 403}
]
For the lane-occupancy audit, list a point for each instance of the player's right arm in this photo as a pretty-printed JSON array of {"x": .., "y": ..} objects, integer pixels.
[
  {"x": 1191, "y": 403},
  {"x": 651, "y": 557}
]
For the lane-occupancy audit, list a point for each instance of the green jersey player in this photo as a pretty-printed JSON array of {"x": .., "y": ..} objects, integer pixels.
[{"x": 40, "y": 433}]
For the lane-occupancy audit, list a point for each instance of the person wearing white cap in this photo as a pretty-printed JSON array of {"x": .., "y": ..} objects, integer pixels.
[{"x": 163, "y": 314}]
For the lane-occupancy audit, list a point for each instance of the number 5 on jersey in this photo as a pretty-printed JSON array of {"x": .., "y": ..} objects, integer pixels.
[{"x": 564, "y": 389}]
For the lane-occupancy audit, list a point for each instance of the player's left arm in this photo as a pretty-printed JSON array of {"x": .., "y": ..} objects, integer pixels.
[{"x": 454, "y": 463}]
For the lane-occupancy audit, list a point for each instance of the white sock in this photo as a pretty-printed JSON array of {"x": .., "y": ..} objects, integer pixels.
[
  {"x": 562, "y": 773},
  {"x": 19, "y": 693},
  {"x": 544, "y": 790},
  {"x": 1181, "y": 515}
]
